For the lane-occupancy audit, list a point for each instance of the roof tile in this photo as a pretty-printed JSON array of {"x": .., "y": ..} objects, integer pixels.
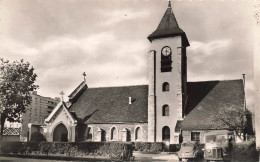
[
  {"x": 111, "y": 104},
  {"x": 205, "y": 100}
]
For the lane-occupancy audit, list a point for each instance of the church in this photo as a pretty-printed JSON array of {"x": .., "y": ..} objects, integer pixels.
[{"x": 166, "y": 110}]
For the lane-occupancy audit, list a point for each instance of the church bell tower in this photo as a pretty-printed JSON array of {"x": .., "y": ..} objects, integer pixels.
[{"x": 167, "y": 79}]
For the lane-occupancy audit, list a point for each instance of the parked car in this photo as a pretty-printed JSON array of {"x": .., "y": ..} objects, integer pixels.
[
  {"x": 190, "y": 150},
  {"x": 218, "y": 145}
]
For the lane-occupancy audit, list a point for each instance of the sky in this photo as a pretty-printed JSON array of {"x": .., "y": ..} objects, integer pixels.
[{"x": 107, "y": 39}]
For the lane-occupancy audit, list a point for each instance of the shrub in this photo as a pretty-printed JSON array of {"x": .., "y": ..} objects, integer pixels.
[
  {"x": 12, "y": 147},
  {"x": 149, "y": 147},
  {"x": 115, "y": 150},
  {"x": 155, "y": 147},
  {"x": 31, "y": 146},
  {"x": 45, "y": 147},
  {"x": 244, "y": 151},
  {"x": 174, "y": 147}
]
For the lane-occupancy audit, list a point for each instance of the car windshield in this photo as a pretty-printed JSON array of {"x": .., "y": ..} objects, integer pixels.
[
  {"x": 211, "y": 138},
  {"x": 216, "y": 138},
  {"x": 221, "y": 138}
]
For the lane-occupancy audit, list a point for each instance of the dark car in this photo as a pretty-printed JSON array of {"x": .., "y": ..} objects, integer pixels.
[{"x": 189, "y": 150}]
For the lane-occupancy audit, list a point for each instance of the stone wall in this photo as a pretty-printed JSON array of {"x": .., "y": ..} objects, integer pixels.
[
  {"x": 62, "y": 116},
  {"x": 123, "y": 132},
  {"x": 173, "y": 97}
]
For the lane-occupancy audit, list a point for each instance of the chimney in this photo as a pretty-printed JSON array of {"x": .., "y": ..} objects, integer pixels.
[
  {"x": 244, "y": 82},
  {"x": 130, "y": 100}
]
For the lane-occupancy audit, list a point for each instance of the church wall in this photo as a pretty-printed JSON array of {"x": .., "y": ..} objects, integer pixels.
[
  {"x": 61, "y": 116},
  {"x": 120, "y": 131},
  {"x": 173, "y": 98},
  {"x": 151, "y": 96}
]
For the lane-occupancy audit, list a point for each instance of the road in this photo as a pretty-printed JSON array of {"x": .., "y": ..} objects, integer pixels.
[{"x": 138, "y": 157}]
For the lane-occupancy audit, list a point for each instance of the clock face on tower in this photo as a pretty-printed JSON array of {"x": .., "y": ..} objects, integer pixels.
[{"x": 166, "y": 51}]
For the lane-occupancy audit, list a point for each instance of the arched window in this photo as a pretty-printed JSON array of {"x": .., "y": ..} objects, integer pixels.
[
  {"x": 103, "y": 135},
  {"x": 166, "y": 133},
  {"x": 138, "y": 133},
  {"x": 165, "y": 110},
  {"x": 165, "y": 86},
  {"x": 113, "y": 134},
  {"x": 89, "y": 133}
]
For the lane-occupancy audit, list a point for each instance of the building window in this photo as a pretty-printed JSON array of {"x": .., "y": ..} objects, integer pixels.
[
  {"x": 103, "y": 135},
  {"x": 165, "y": 110},
  {"x": 165, "y": 86},
  {"x": 89, "y": 133},
  {"x": 128, "y": 135},
  {"x": 166, "y": 59},
  {"x": 138, "y": 133},
  {"x": 113, "y": 134},
  {"x": 195, "y": 136},
  {"x": 166, "y": 133}
]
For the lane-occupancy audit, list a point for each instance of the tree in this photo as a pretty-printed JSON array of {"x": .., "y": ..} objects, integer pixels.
[
  {"x": 16, "y": 84},
  {"x": 235, "y": 119}
]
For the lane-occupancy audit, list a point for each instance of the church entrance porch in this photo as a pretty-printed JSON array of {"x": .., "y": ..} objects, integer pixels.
[
  {"x": 60, "y": 133},
  {"x": 60, "y": 125}
]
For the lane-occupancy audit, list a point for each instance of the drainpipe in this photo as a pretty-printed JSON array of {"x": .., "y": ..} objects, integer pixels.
[{"x": 244, "y": 84}]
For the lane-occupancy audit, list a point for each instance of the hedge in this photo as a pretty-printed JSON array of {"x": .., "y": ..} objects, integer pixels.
[
  {"x": 244, "y": 151},
  {"x": 155, "y": 147},
  {"x": 114, "y": 150}
]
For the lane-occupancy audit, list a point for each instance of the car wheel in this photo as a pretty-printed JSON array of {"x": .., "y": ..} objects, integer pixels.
[{"x": 180, "y": 159}]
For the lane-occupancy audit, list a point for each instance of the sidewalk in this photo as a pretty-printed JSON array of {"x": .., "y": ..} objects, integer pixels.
[{"x": 155, "y": 157}]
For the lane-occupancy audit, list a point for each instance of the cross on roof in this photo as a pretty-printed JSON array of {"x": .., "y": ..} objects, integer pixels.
[
  {"x": 84, "y": 75},
  {"x": 62, "y": 94}
]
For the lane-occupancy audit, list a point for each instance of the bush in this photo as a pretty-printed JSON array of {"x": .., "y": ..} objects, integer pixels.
[
  {"x": 12, "y": 147},
  {"x": 244, "y": 151},
  {"x": 174, "y": 147},
  {"x": 149, "y": 147},
  {"x": 115, "y": 150}
]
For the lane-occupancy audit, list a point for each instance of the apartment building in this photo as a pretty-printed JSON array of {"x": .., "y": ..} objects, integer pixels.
[{"x": 37, "y": 112}]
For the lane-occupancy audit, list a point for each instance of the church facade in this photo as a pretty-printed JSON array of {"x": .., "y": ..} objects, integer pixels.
[{"x": 166, "y": 110}]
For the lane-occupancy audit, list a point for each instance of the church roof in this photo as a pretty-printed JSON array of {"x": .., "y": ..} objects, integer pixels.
[
  {"x": 73, "y": 96},
  {"x": 205, "y": 100},
  {"x": 169, "y": 27},
  {"x": 61, "y": 105},
  {"x": 111, "y": 104}
]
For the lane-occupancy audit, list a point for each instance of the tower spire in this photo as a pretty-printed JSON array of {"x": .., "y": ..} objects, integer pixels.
[{"x": 168, "y": 27}]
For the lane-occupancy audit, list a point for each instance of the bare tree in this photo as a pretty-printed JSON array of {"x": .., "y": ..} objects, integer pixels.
[{"x": 235, "y": 119}]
